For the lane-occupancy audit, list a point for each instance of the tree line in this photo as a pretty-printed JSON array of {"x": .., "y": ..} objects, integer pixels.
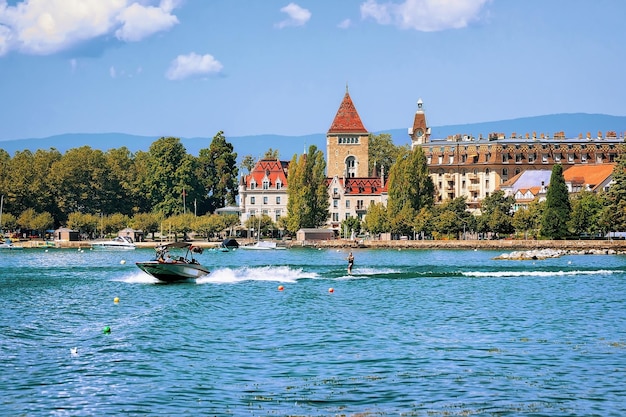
[{"x": 48, "y": 189}]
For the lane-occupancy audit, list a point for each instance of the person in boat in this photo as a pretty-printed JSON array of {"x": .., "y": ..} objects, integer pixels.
[
  {"x": 350, "y": 259},
  {"x": 168, "y": 259}
]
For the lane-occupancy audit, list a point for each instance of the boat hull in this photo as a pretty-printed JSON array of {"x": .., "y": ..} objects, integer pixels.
[{"x": 172, "y": 272}]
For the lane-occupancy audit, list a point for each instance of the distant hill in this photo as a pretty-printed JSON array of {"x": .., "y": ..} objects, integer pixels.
[{"x": 571, "y": 124}]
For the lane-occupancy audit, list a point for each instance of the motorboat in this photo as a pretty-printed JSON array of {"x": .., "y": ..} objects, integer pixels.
[
  {"x": 120, "y": 242},
  {"x": 7, "y": 244},
  {"x": 263, "y": 245},
  {"x": 168, "y": 268}
]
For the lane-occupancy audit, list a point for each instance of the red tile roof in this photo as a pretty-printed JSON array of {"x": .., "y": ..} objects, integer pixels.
[
  {"x": 357, "y": 186},
  {"x": 347, "y": 119},
  {"x": 592, "y": 175},
  {"x": 274, "y": 169}
]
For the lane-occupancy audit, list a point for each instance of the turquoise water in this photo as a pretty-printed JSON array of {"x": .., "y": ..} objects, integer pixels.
[{"x": 412, "y": 332}]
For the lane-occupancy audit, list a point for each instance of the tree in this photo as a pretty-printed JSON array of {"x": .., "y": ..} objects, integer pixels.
[
  {"x": 496, "y": 214},
  {"x": 209, "y": 224},
  {"x": 169, "y": 174},
  {"x": 410, "y": 185},
  {"x": 616, "y": 196},
  {"x": 351, "y": 225},
  {"x": 376, "y": 221},
  {"x": 248, "y": 163},
  {"x": 382, "y": 152},
  {"x": 557, "y": 210},
  {"x": 586, "y": 211},
  {"x": 451, "y": 218},
  {"x": 528, "y": 220},
  {"x": 218, "y": 172},
  {"x": 307, "y": 205},
  {"x": 264, "y": 224},
  {"x": 271, "y": 154},
  {"x": 146, "y": 222}
]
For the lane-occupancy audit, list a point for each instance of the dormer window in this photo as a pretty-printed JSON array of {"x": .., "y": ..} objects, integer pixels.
[
  {"x": 252, "y": 185},
  {"x": 266, "y": 184},
  {"x": 279, "y": 184}
]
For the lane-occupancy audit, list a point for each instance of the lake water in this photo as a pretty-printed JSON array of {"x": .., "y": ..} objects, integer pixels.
[{"x": 411, "y": 332}]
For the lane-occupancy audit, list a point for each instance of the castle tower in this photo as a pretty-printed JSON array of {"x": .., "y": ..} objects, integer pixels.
[
  {"x": 420, "y": 132},
  {"x": 347, "y": 143}
]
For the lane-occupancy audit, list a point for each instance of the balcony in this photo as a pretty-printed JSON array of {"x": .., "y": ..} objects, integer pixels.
[{"x": 336, "y": 196}]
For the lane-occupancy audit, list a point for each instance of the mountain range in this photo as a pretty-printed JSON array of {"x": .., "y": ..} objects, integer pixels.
[{"x": 572, "y": 124}]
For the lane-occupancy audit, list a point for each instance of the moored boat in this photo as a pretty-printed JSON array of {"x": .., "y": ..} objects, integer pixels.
[
  {"x": 120, "y": 242},
  {"x": 7, "y": 244},
  {"x": 168, "y": 268},
  {"x": 263, "y": 245}
]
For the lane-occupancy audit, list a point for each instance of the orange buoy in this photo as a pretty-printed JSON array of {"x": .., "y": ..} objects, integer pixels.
[
  {"x": 280, "y": 288},
  {"x": 331, "y": 290}
]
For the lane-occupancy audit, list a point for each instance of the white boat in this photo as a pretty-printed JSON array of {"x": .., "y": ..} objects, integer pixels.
[
  {"x": 262, "y": 245},
  {"x": 7, "y": 244},
  {"x": 119, "y": 243}
]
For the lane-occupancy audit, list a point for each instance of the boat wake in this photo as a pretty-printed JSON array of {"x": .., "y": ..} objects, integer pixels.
[
  {"x": 264, "y": 273},
  {"x": 560, "y": 273},
  {"x": 138, "y": 277}
]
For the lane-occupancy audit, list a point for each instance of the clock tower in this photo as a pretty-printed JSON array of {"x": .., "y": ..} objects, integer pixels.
[{"x": 420, "y": 132}]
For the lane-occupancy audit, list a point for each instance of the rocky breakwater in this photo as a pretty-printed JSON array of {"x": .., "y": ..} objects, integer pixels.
[{"x": 538, "y": 254}]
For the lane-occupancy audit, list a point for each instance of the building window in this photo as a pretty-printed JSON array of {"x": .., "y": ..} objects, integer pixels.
[
  {"x": 348, "y": 216},
  {"x": 252, "y": 185},
  {"x": 277, "y": 199},
  {"x": 440, "y": 159},
  {"x": 278, "y": 212},
  {"x": 505, "y": 172},
  {"x": 335, "y": 217},
  {"x": 252, "y": 200},
  {"x": 335, "y": 203},
  {"x": 264, "y": 200},
  {"x": 348, "y": 204},
  {"x": 570, "y": 158},
  {"x": 266, "y": 185},
  {"x": 279, "y": 184},
  {"x": 451, "y": 159}
]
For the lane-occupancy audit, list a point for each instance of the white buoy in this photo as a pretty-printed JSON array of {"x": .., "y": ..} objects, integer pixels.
[{"x": 122, "y": 261}]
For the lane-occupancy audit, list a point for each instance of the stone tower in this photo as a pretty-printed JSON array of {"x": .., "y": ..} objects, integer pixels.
[
  {"x": 420, "y": 132},
  {"x": 347, "y": 143}
]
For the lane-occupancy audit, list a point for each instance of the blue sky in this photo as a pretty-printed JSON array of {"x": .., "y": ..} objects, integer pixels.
[{"x": 190, "y": 68}]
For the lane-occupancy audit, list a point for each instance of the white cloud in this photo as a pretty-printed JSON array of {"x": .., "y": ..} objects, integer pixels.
[
  {"x": 193, "y": 65},
  {"x": 424, "y": 15},
  {"x": 43, "y": 27},
  {"x": 345, "y": 24},
  {"x": 140, "y": 21},
  {"x": 297, "y": 16}
]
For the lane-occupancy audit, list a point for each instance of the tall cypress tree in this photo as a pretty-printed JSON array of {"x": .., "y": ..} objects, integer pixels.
[
  {"x": 308, "y": 196},
  {"x": 557, "y": 211}
]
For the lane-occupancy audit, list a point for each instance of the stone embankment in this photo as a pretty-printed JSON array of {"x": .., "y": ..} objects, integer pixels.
[{"x": 555, "y": 253}]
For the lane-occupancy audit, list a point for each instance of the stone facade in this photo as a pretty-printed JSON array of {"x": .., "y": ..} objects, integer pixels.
[{"x": 475, "y": 168}]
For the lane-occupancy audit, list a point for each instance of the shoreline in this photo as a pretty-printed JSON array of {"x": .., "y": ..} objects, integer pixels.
[{"x": 616, "y": 246}]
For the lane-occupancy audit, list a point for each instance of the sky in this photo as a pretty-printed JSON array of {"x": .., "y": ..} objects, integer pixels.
[{"x": 191, "y": 68}]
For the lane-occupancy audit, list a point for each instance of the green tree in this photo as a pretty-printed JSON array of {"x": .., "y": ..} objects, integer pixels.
[
  {"x": 271, "y": 154},
  {"x": 42, "y": 222},
  {"x": 307, "y": 205},
  {"x": 410, "y": 190},
  {"x": 586, "y": 211},
  {"x": 496, "y": 214},
  {"x": 383, "y": 153},
  {"x": 263, "y": 223},
  {"x": 248, "y": 163},
  {"x": 209, "y": 224},
  {"x": 349, "y": 226},
  {"x": 218, "y": 172},
  {"x": 528, "y": 220},
  {"x": 557, "y": 210},
  {"x": 146, "y": 222},
  {"x": 83, "y": 222},
  {"x": 169, "y": 172},
  {"x": 451, "y": 218},
  {"x": 615, "y": 214},
  {"x": 376, "y": 221}
]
